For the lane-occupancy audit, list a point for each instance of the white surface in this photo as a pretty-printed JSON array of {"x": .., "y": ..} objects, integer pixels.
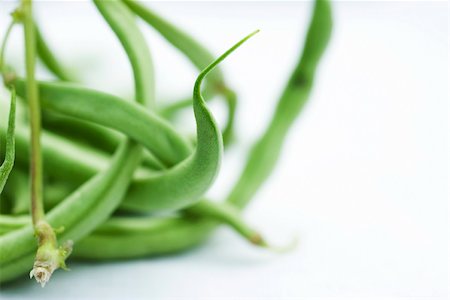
[{"x": 364, "y": 178}]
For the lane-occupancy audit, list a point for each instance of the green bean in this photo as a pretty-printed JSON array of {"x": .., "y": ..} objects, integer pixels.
[
  {"x": 149, "y": 236},
  {"x": 97, "y": 135},
  {"x": 228, "y": 214},
  {"x": 156, "y": 238},
  {"x": 184, "y": 188},
  {"x": 170, "y": 110},
  {"x": 143, "y": 126},
  {"x": 101, "y": 196},
  {"x": 93, "y": 136},
  {"x": 8, "y": 162},
  {"x": 153, "y": 236},
  {"x": 48, "y": 58},
  {"x": 79, "y": 214},
  {"x": 18, "y": 191},
  {"x": 62, "y": 158},
  {"x": 200, "y": 58},
  {"x": 65, "y": 159},
  {"x": 101, "y": 244},
  {"x": 265, "y": 152},
  {"x": 193, "y": 50},
  {"x": 9, "y": 223},
  {"x": 187, "y": 181},
  {"x": 190, "y": 233},
  {"x": 86, "y": 132},
  {"x": 197, "y": 171},
  {"x": 17, "y": 247},
  {"x": 199, "y": 106},
  {"x": 122, "y": 23}
]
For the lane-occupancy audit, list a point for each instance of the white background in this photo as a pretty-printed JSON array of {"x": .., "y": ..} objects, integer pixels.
[{"x": 364, "y": 177}]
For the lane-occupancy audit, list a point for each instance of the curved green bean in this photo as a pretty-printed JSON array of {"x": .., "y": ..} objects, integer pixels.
[
  {"x": 8, "y": 162},
  {"x": 162, "y": 236},
  {"x": 200, "y": 58},
  {"x": 183, "y": 187},
  {"x": 101, "y": 244},
  {"x": 124, "y": 26},
  {"x": 79, "y": 214},
  {"x": 190, "y": 233},
  {"x": 92, "y": 135},
  {"x": 193, "y": 50},
  {"x": 65, "y": 159},
  {"x": 17, "y": 189},
  {"x": 228, "y": 214},
  {"x": 10, "y": 223},
  {"x": 266, "y": 151},
  {"x": 177, "y": 187},
  {"x": 48, "y": 58},
  {"x": 122, "y": 22},
  {"x": 104, "y": 191},
  {"x": 153, "y": 132},
  {"x": 197, "y": 172}
]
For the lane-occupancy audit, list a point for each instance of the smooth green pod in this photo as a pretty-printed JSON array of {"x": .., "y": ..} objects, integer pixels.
[
  {"x": 17, "y": 189},
  {"x": 92, "y": 135},
  {"x": 64, "y": 159},
  {"x": 190, "y": 232},
  {"x": 226, "y": 214},
  {"x": 8, "y": 162},
  {"x": 9, "y": 223},
  {"x": 176, "y": 238},
  {"x": 48, "y": 58},
  {"x": 117, "y": 226},
  {"x": 181, "y": 40},
  {"x": 79, "y": 214},
  {"x": 186, "y": 182},
  {"x": 101, "y": 244},
  {"x": 196, "y": 173},
  {"x": 191, "y": 178},
  {"x": 266, "y": 151},
  {"x": 122, "y": 22},
  {"x": 156, "y": 134},
  {"x": 200, "y": 58}
]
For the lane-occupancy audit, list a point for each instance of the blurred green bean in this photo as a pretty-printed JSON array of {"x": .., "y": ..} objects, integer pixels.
[{"x": 8, "y": 162}]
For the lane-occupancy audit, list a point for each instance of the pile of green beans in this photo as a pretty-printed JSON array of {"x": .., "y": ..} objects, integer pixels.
[{"x": 119, "y": 173}]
